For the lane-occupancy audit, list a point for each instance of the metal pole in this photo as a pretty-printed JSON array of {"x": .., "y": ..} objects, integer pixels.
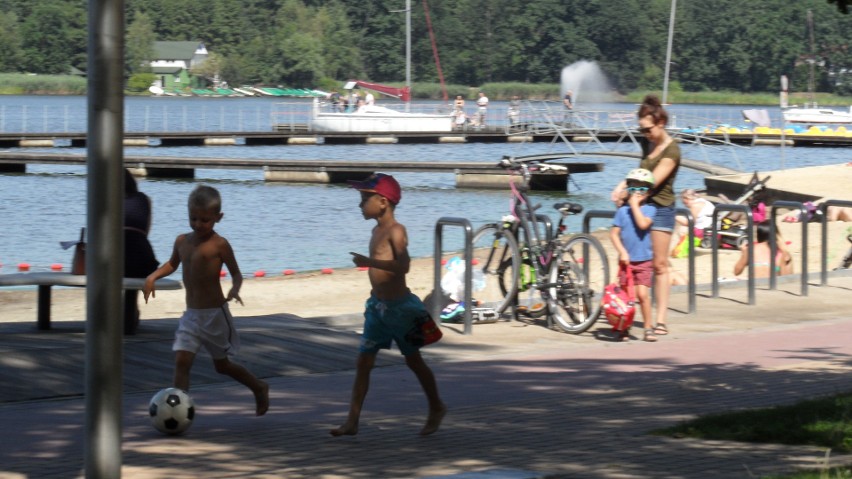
[
  {"x": 104, "y": 267},
  {"x": 408, "y": 50},
  {"x": 669, "y": 52}
]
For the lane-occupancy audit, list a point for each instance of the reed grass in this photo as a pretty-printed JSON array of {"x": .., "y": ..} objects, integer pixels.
[
  {"x": 737, "y": 98},
  {"x": 26, "y": 84}
]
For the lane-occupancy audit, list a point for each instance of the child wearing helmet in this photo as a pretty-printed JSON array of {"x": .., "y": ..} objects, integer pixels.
[{"x": 631, "y": 236}]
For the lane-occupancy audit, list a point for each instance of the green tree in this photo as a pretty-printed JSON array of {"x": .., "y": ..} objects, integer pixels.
[
  {"x": 340, "y": 52},
  {"x": 46, "y": 40},
  {"x": 211, "y": 68},
  {"x": 139, "y": 46},
  {"x": 10, "y": 54}
]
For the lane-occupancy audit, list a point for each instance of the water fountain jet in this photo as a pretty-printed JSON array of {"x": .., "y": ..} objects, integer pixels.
[{"x": 585, "y": 80}]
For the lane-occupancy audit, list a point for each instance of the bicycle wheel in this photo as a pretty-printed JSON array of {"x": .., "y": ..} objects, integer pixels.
[
  {"x": 495, "y": 254},
  {"x": 577, "y": 279}
]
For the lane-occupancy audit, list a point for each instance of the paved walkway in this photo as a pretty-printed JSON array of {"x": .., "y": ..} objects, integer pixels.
[{"x": 524, "y": 402}]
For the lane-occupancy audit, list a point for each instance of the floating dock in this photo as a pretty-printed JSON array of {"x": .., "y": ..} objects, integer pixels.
[{"x": 467, "y": 174}]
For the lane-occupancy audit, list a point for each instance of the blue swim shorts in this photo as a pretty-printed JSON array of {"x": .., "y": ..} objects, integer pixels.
[
  {"x": 397, "y": 320},
  {"x": 664, "y": 218}
]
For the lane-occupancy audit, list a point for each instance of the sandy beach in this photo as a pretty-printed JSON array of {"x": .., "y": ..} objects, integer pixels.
[{"x": 313, "y": 294}]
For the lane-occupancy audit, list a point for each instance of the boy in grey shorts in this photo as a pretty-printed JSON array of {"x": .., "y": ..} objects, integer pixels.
[{"x": 207, "y": 321}]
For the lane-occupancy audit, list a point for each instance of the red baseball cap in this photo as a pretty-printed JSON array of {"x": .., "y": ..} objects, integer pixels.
[{"x": 380, "y": 183}]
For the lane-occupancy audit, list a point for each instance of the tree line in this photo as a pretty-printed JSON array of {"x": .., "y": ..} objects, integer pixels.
[{"x": 721, "y": 45}]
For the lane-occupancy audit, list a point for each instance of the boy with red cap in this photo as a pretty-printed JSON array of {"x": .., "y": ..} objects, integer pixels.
[{"x": 393, "y": 312}]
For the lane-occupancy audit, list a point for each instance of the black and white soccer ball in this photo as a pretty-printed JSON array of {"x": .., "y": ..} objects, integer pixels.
[{"x": 171, "y": 411}]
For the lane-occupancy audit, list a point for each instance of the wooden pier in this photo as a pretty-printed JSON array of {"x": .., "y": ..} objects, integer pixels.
[
  {"x": 468, "y": 174},
  {"x": 301, "y": 135}
]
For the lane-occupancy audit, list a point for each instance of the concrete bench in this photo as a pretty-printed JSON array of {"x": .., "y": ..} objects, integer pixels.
[{"x": 46, "y": 280}]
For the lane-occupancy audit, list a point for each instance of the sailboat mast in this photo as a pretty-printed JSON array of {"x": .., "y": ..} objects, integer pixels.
[
  {"x": 812, "y": 61},
  {"x": 407, "y": 47}
]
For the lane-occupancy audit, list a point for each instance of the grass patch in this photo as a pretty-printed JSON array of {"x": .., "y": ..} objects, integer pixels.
[
  {"x": 824, "y": 422},
  {"x": 831, "y": 473}
]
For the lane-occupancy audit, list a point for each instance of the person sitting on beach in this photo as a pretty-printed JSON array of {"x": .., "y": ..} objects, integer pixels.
[
  {"x": 392, "y": 311},
  {"x": 762, "y": 254},
  {"x": 207, "y": 320},
  {"x": 702, "y": 214},
  {"x": 814, "y": 213}
]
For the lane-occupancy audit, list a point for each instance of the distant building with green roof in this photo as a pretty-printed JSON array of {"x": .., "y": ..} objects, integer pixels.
[{"x": 173, "y": 61}]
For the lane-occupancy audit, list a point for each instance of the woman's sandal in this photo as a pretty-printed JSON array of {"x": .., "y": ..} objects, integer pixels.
[
  {"x": 649, "y": 336},
  {"x": 661, "y": 330}
]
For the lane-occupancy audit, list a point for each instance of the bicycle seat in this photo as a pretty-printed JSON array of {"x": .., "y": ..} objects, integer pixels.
[{"x": 569, "y": 208}]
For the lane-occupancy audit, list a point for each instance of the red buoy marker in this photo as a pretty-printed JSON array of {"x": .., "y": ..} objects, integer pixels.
[{"x": 327, "y": 271}]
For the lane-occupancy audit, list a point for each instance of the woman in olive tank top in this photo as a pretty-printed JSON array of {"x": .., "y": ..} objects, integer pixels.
[{"x": 660, "y": 155}]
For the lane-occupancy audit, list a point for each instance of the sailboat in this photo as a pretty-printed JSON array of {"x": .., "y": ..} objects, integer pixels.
[
  {"x": 377, "y": 119},
  {"x": 811, "y": 113}
]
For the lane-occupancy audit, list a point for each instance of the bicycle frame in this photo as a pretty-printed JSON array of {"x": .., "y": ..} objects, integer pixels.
[
  {"x": 528, "y": 222},
  {"x": 549, "y": 267}
]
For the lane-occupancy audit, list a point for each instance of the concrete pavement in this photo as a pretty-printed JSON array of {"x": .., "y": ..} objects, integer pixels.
[{"x": 524, "y": 402}]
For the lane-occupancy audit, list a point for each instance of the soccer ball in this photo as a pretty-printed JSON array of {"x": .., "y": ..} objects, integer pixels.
[{"x": 171, "y": 411}]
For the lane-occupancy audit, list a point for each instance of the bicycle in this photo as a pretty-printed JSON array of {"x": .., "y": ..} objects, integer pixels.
[{"x": 518, "y": 262}]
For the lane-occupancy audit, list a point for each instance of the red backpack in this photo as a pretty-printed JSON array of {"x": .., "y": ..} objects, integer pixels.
[{"x": 619, "y": 302}]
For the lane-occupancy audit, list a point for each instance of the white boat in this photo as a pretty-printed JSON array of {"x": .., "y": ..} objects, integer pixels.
[
  {"x": 811, "y": 114},
  {"x": 377, "y": 119},
  {"x": 817, "y": 116}
]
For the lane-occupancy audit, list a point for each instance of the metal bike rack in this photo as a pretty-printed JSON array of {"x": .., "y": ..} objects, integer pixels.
[
  {"x": 468, "y": 269},
  {"x": 824, "y": 260},
  {"x": 587, "y": 220},
  {"x": 548, "y": 226},
  {"x": 773, "y": 246},
  {"x": 691, "y": 238},
  {"x": 749, "y": 236}
]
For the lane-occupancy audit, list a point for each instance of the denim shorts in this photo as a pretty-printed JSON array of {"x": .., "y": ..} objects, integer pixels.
[{"x": 664, "y": 219}]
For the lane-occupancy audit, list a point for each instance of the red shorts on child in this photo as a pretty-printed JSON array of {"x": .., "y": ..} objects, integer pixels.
[{"x": 643, "y": 271}]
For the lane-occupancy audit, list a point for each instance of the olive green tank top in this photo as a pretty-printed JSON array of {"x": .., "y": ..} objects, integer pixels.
[{"x": 663, "y": 192}]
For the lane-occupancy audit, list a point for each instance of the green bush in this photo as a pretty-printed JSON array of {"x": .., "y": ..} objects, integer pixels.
[{"x": 140, "y": 82}]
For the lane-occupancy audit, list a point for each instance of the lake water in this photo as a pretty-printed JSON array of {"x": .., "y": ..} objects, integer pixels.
[{"x": 276, "y": 226}]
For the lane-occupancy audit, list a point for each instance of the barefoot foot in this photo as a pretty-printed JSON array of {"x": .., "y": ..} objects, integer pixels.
[
  {"x": 344, "y": 430},
  {"x": 261, "y": 399},
  {"x": 433, "y": 422}
]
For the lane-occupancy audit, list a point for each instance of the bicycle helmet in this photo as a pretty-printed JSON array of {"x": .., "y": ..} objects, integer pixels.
[{"x": 641, "y": 174}]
